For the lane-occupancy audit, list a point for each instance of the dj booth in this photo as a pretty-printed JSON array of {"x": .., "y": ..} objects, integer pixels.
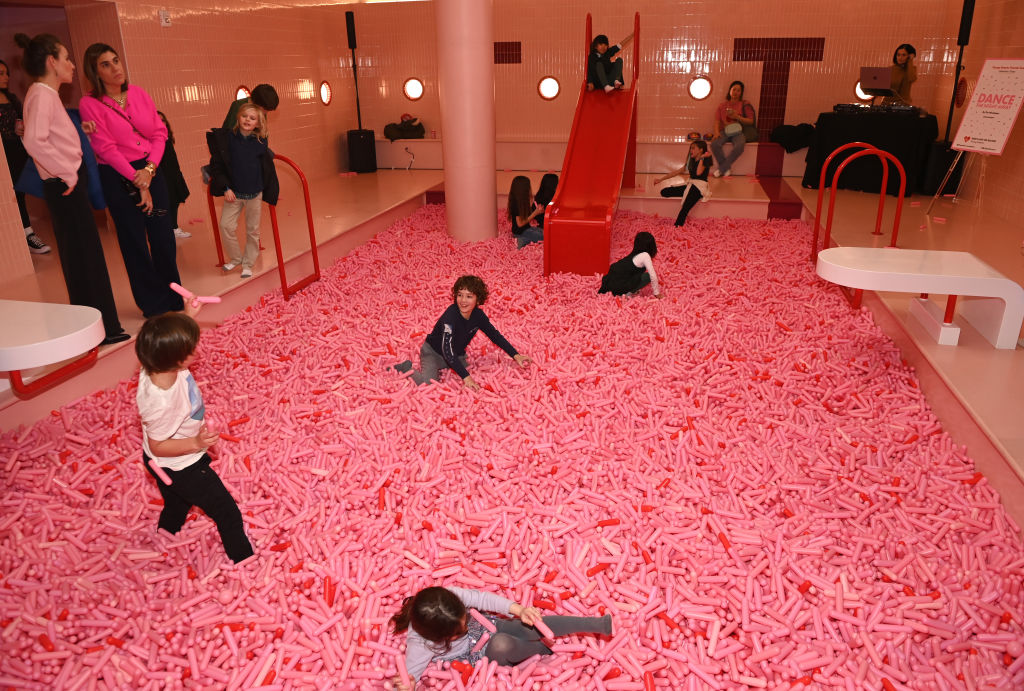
[{"x": 899, "y": 130}]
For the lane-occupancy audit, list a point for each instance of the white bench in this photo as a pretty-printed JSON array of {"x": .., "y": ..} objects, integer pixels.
[
  {"x": 35, "y": 334},
  {"x": 993, "y": 304}
]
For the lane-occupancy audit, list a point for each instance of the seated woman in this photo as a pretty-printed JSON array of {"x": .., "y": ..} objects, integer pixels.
[
  {"x": 697, "y": 166},
  {"x": 734, "y": 122},
  {"x": 904, "y": 71},
  {"x": 129, "y": 141},
  {"x": 545, "y": 193},
  {"x": 522, "y": 212},
  {"x": 604, "y": 70}
]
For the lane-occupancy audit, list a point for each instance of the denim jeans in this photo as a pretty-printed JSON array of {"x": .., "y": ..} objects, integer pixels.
[{"x": 725, "y": 162}]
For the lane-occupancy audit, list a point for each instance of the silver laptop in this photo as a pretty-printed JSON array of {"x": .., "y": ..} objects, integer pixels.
[{"x": 876, "y": 81}]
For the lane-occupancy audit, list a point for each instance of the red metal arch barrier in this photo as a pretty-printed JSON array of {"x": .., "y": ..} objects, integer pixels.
[
  {"x": 867, "y": 150},
  {"x": 286, "y": 289},
  {"x": 69, "y": 370}
]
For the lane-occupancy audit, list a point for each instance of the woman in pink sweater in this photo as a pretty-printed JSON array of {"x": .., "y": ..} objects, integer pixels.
[
  {"x": 54, "y": 145},
  {"x": 129, "y": 141}
]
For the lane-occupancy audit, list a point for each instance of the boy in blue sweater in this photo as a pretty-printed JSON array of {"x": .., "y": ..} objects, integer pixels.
[{"x": 446, "y": 344}]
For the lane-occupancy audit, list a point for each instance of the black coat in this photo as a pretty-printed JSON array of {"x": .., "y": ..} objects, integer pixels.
[{"x": 220, "y": 167}]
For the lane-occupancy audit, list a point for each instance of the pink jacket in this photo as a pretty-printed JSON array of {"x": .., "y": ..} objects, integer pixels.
[
  {"x": 115, "y": 142},
  {"x": 50, "y": 137}
]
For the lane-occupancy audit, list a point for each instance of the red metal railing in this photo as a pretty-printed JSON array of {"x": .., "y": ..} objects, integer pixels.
[
  {"x": 287, "y": 289},
  {"x": 24, "y": 390},
  {"x": 867, "y": 150},
  {"x": 290, "y": 290}
]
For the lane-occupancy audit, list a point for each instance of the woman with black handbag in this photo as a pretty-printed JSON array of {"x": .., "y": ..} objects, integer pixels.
[{"x": 129, "y": 140}]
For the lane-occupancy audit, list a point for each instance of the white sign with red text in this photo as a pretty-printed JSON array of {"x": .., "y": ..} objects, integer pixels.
[{"x": 993, "y": 108}]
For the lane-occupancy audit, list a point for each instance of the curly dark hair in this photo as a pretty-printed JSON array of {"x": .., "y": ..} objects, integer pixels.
[{"x": 473, "y": 284}]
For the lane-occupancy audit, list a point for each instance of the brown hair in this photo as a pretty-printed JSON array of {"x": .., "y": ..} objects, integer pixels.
[
  {"x": 90, "y": 63},
  {"x": 37, "y": 50},
  {"x": 473, "y": 284},
  {"x": 519, "y": 196},
  {"x": 435, "y": 613},
  {"x": 165, "y": 341}
]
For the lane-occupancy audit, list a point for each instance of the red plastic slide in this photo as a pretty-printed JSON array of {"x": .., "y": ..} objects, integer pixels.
[{"x": 599, "y": 160}]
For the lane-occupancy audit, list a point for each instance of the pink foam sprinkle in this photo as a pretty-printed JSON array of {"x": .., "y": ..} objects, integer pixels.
[{"x": 746, "y": 476}]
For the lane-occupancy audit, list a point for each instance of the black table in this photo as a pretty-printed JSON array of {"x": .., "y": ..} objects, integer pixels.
[{"x": 908, "y": 137}]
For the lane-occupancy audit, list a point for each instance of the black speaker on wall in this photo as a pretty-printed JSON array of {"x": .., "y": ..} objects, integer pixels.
[
  {"x": 362, "y": 149},
  {"x": 966, "y": 17},
  {"x": 350, "y": 24}
]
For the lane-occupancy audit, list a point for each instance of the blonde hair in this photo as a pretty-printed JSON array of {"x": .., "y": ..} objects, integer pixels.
[{"x": 262, "y": 130}]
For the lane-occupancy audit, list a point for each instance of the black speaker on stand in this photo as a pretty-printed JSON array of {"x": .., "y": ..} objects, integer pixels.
[
  {"x": 942, "y": 155},
  {"x": 362, "y": 149}
]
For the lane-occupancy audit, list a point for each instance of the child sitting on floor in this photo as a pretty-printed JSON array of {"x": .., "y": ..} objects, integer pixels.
[
  {"x": 446, "y": 344},
  {"x": 440, "y": 627}
]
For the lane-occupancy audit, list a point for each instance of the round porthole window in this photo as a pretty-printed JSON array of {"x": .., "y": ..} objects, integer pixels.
[
  {"x": 242, "y": 92},
  {"x": 700, "y": 87},
  {"x": 325, "y": 93},
  {"x": 413, "y": 89},
  {"x": 548, "y": 88}
]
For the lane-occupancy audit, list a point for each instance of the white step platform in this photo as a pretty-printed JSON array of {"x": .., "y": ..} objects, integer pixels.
[{"x": 991, "y": 302}]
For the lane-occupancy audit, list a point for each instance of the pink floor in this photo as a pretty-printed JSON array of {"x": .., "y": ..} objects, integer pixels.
[{"x": 744, "y": 474}]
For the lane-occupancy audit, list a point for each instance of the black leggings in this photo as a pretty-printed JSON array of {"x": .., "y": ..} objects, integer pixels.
[
  {"x": 514, "y": 641},
  {"x": 198, "y": 485},
  {"x": 80, "y": 249},
  {"x": 690, "y": 201}
]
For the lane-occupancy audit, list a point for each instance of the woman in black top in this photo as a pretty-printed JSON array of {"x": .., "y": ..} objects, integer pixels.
[
  {"x": 697, "y": 166},
  {"x": 545, "y": 193},
  {"x": 177, "y": 189},
  {"x": 522, "y": 212}
]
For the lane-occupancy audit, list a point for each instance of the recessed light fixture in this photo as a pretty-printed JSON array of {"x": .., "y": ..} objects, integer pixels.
[
  {"x": 700, "y": 87},
  {"x": 413, "y": 89},
  {"x": 548, "y": 88}
]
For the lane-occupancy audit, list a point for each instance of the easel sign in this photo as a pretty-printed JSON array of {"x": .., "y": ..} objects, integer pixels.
[
  {"x": 993, "y": 108},
  {"x": 989, "y": 118}
]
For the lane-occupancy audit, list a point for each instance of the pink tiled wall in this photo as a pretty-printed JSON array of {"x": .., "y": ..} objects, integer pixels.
[{"x": 193, "y": 67}]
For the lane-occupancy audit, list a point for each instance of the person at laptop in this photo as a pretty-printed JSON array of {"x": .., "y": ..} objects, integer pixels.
[{"x": 904, "y": 72}]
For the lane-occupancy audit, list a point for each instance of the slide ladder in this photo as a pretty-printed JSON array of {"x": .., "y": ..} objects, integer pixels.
[{"x": 600, "y": 159}]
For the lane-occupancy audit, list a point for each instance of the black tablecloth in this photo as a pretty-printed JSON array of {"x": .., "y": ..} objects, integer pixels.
[{"x": 908, "y": 137}]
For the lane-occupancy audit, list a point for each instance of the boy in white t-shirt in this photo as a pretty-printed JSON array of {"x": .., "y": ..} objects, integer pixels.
[{"x": 174, "y": 432}]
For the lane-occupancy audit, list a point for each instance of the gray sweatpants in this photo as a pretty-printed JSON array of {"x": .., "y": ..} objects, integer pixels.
[{"x": 431, "y": 364}]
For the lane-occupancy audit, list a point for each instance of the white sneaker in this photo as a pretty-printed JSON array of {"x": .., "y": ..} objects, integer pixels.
[
  {"x": 246, "y": 272},
  {"x": 726, "y": 173},
  {"x": 36, "y": 244},
  {"x": 230, "y": 266},
  {"x": 717, "y": 173},
  {"x": 183, "y": 234},
  {"x": 608, "y": 89}
]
